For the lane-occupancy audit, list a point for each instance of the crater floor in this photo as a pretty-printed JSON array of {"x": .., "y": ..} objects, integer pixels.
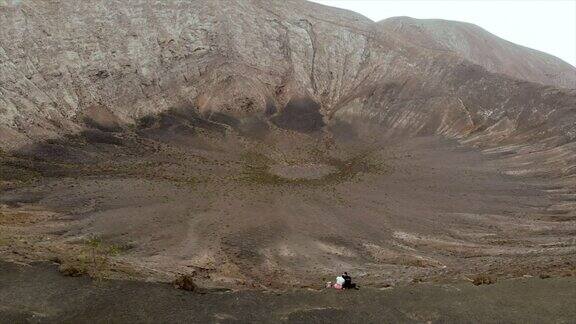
[{"x": 236, "y": 212}]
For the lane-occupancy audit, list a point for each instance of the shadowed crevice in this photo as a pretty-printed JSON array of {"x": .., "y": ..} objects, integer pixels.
[{"x": 301, "y": 115}]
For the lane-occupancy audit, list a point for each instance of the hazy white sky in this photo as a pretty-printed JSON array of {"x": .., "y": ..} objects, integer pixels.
[{"x": 545, "y": 25}]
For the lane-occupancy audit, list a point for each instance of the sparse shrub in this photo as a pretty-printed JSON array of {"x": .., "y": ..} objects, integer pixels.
[
  {"x": 146, "y": 122},
  {"x": 95, "y": 136},
  {"x": 185, "y": 282},
  {"x": 544, "y": 276},
  {"x": 483, "y": 279},
  {"x": 568, "y": 273},
  {"x": 71, "y": 270},
  {"x": 95, "y": 244},
  {"x": 3, "y": 240},
  {"x": 56, "y": 259},
  {"x": 96, "y": 255},
  {"x": 114, "y": 250},
  {"x": 416, "y": 263}
]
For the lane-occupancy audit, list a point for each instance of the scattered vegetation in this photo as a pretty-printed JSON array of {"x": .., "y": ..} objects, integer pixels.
[
  {"x": 93, "y": 258},
  {"x": 55, "y": 259},
  {"x": 72, "y": 270},
  {"x": 185, "y": 282},
  {"x": 483, "y": 279},
  {"x": 3, "y": 240},
  {"x": 95, "y": 244},
  {"x": 15, "y": 171},
  {"x": 413, "y": 262},
  {"x": 257, "y": 169},
  {"x": 24, "y": 170}
]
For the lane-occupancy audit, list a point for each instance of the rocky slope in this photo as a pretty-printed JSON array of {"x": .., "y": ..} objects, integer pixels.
[
  {"x": 483, "y": 48},
  {"x": 275, "y": 142},
  {"x": 63, "y": 63}
]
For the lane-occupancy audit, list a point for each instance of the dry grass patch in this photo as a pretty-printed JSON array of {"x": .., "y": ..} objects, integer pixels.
[
  {"x": 483, "y": 279},
  {"x": 93, "y": 258},
  {"x": 185, "y": 282},
  {"x": 257, "y": 169},
  {"x": 72, "y": 270}
]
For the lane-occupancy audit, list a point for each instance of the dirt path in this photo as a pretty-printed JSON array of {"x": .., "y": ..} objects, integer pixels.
[{"x": 39, "y": 294}]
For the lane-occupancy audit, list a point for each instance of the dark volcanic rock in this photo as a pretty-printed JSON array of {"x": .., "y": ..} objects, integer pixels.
[{"x": 300, "y": 114}]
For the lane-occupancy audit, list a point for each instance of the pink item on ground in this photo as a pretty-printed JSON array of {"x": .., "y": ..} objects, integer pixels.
[{"x": 337, "y": 286}]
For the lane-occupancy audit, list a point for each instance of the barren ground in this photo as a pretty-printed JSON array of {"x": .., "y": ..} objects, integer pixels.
[
  {"x": 38, "y": 294},
  {"x": 423, "y": 209}
]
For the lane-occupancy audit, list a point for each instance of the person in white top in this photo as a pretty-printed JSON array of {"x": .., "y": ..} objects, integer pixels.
[{"x": 339, "y": 282}]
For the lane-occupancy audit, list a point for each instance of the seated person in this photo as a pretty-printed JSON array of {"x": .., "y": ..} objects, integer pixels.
[
  {"x": 339, "y": 282},
  {"x": 347, "y": 282}
]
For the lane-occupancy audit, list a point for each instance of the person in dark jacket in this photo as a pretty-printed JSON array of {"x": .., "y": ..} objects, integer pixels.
[{"x": 348, "y": 282}]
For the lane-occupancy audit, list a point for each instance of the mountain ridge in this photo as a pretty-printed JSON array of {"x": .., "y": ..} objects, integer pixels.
[
  {"x": 460, "y": 37},
  {"x": 39, "y": 99}
]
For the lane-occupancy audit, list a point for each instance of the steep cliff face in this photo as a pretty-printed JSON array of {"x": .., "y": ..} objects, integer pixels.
[
  {"x": 61, "y": 60},
  {"x": 64, "y": 63},
  {"x": 260, "y": 141}
]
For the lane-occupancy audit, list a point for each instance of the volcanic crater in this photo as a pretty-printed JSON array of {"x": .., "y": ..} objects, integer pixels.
[{"x": 271, "y": 144}]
